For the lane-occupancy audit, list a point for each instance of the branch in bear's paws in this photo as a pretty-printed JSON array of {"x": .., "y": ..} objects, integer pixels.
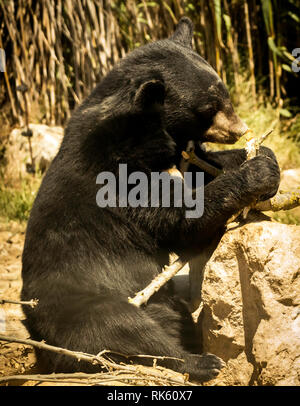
[
  {"x": 254, "y": 143},
  {"x": 281, "y": 201},
  {"x": 252, "y": 149},
  {"x": 192, "y": 158}
]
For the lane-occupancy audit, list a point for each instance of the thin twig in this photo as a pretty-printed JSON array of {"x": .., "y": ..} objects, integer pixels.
[
  {"x": 52, "y": 377},
  {"x": 161, "y": 357},
  {"x": 93, "y": 359},
  {"x": 90, "y": 379},
  {"x": 83, "y": 378},
  {"x": 254, "y": 143},
  {"x": 32, "y": 302}
]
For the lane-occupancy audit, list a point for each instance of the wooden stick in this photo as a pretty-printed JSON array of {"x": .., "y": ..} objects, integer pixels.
[
  {"x": 87, "y": 379},
  {"x": 254, "y": 143},
  {"x": 93, "y": 379},
  {"x": 167, "y": 273},
  {"x": 281, "y": 201},
  {"x": 53, "y": 377},
  {"x": 93, "y": 359},
  {"x": 191, "y": 157},
  {"x": 252, "y": 149},
  {"x": 32, "y": 302},
  {"x": 155, "y": 357}
]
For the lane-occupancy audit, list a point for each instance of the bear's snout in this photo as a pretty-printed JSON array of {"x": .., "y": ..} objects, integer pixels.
[{"x": 226, "y": 128}]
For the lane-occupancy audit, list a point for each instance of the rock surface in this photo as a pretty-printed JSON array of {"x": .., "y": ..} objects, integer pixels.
[
  {"x": 250, "y": 297},
  {"x": 290, "y": 179},
  {"x": 45, "y": 142}
]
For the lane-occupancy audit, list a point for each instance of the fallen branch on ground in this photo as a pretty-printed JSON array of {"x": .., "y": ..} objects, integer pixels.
[
  {"x": 80, "y": 356},
  {"x": 91, "y": 379},
  {"x": 140, "y": 371},
  {"x": 32, "y": 302}
]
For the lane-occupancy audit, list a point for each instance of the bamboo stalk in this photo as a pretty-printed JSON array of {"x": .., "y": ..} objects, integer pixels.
[
  {"x": 250, "y": 51},
  {"x": 11, "y": 98},
  {"x": 234, "y": 51}
]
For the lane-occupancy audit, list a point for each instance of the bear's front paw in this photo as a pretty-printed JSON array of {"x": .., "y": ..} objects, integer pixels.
[{"x": 262, "y": 176}]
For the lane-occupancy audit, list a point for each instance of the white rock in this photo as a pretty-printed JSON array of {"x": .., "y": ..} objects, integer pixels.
[{"x": 45, "y": 143}]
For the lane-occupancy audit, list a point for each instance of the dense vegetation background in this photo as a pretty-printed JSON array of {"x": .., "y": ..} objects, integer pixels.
[{"x": 60, "y": 49}]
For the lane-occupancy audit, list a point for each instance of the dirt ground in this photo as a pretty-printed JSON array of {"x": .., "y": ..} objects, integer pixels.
[{"x": 14, "y": 358}]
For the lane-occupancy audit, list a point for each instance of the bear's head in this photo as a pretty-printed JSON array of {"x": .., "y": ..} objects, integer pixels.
[
  {"x": 168, "y": 74},
  {"x": 196, "y": 102}
]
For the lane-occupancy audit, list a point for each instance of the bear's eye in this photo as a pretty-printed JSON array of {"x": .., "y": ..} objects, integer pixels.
[{"x": 207, "y": 111}]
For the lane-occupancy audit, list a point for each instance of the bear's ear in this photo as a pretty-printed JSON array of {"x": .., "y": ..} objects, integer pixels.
[
  {"x": 184, "y": 32},
  {"x": 149, "y": 94}
]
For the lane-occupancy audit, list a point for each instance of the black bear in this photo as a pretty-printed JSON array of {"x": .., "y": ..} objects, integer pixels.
[{"x": 82, "y": 261}]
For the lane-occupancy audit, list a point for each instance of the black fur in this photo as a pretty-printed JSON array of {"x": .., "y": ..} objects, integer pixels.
[{"x": 82, "y": 262}]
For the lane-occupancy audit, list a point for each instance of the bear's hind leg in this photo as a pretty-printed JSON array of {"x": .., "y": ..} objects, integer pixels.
[{"x": 113, "y": 324}]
